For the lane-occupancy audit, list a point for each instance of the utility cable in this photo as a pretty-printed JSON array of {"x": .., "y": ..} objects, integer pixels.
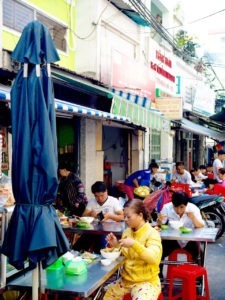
[{"x": 198, "y": 20}]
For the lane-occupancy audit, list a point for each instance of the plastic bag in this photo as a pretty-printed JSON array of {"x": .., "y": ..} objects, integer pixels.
[
  {"x": 157, "y": 199},
  {"x": 181, "y": 187}
]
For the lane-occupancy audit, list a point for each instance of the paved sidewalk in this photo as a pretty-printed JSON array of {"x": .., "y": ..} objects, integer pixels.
[{"x": 215, "y": 265}]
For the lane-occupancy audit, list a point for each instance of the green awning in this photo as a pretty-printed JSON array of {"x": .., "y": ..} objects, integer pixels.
[
  {"x": 138, "y": 115},
  {"x": 84, "y": 85}
]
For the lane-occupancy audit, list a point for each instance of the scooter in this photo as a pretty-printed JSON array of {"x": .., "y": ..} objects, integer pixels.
[{"x": 212, "y": 210}]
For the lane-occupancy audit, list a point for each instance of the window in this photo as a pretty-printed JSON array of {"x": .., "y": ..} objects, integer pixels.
[
  {"x": 155, "y": 151},
  {"x": 17, "y": 15}
]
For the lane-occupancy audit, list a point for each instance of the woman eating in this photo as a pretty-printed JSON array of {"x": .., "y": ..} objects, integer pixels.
[{"x": 141, "y": 246}]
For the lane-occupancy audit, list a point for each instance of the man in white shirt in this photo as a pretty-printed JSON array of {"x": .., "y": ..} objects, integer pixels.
[
  {"x": 181, "y": 175},
  {"x": 197, "y": 175},
  {"x": 103, "y": 207},
  {"x": 218, "y": 163},
  {"x": 189, "y": 215}
]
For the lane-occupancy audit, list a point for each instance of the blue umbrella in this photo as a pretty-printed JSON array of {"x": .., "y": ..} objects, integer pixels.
[{"x": 34, "y": 233}]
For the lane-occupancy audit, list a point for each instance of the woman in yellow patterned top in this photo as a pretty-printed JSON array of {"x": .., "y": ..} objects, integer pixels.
[{"x": 141, "y": 245}]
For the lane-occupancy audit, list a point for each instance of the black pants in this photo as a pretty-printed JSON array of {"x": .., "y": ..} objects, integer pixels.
[{"x": 168, "y": 246}]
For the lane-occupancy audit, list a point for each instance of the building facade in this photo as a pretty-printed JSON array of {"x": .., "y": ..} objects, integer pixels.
[{"x": 117, "y": 85}]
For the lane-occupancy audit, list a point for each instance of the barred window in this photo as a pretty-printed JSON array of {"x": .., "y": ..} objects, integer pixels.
[
  {"x": 155, "y": 151},
  {"x": 17, "y": 15}
]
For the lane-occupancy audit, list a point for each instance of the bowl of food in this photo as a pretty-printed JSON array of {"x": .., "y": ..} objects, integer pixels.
[
  {"x": 175, "y": 224},
  {"x": 87, "y": 219},
  {"x": 164, "y": 226},
  {"x": 110, "y": 253}
]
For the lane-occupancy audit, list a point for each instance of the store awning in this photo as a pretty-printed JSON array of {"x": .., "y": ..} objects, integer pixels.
[
  {"x": 134, "y": 108},
  {"x": 140, "y": 100},
  {"x": 67, "y": 109},
  {"x": 128, "y": 10},
  {"x": 83, "y": 85},
  {"x": 71, "y": 109},
  {"x": 202, "y": 130},
  {"x": 148, "y": 118}
]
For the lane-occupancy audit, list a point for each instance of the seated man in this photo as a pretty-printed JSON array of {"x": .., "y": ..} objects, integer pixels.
[
  {"x": 213, "y": 187},
  {"x": 189, "y": 214},
  {"x": 197, "y": 176},
  {"x": 202, "y": 169},
  {"x": 181, "y": 175},
  {"x": 102, "y": 206}
]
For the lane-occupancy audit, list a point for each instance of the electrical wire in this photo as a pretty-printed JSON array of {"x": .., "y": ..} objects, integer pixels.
[
  {"x": 198, "y": 20},
  {"x": 94, "y": 24}
]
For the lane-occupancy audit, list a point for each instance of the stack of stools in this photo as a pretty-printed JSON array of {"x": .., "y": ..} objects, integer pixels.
[
  {"x": 174, "y": 256},
  {"x": 189, "y": 274},
  {"x": 128, "y": 297}
]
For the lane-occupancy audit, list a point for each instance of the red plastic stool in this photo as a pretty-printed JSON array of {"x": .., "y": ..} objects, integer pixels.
[
  {"x": 174, "y": 257},
  {"x": 128, "y": 297},
  {"x": 188, "y": 274}
]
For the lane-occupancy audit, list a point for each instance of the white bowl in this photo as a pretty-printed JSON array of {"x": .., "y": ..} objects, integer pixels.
[
  {"x": 110, "y": 255},
  {"x": 176, "y": 224},
  {"x": 106, "y": 261},
  {"x": 87, "y": 219}
]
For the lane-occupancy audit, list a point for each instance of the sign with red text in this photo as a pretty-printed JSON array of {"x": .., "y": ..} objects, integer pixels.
[
  {"x": 162, "y": 64},
  {"x": 132, "y": 77}
]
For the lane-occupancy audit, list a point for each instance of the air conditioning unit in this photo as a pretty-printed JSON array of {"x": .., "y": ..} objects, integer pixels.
[{"x": 6, "y": 61}]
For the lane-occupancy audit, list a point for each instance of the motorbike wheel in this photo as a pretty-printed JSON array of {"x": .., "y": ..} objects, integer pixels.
[{"x": 214, "y": 219}]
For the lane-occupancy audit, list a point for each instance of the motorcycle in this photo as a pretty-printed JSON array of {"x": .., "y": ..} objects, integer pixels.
[{"x": 212, "y": 209}]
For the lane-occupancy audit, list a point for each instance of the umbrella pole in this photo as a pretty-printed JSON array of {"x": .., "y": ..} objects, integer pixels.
[{"x": 35, "y": 283}]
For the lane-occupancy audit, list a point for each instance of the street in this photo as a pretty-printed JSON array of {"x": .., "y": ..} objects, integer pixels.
[{"x": 215, "y": 266}]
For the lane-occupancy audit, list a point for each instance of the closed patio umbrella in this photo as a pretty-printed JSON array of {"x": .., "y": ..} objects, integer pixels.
[{"x": 34, "y": 233}]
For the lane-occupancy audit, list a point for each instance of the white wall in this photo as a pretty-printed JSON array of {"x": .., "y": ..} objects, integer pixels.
[
  {"x": 87, "y": 31},
  {"x": 91, "y": 163},
  {"x": 167, "y": 146},
  {"x": 95, "y": 43}
]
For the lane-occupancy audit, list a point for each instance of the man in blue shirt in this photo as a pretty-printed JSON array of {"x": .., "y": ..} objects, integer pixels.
[{"x": 136, "y": 179}]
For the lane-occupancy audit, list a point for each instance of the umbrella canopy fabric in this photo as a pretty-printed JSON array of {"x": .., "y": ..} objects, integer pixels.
[{"x": 34, "y": 231}]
